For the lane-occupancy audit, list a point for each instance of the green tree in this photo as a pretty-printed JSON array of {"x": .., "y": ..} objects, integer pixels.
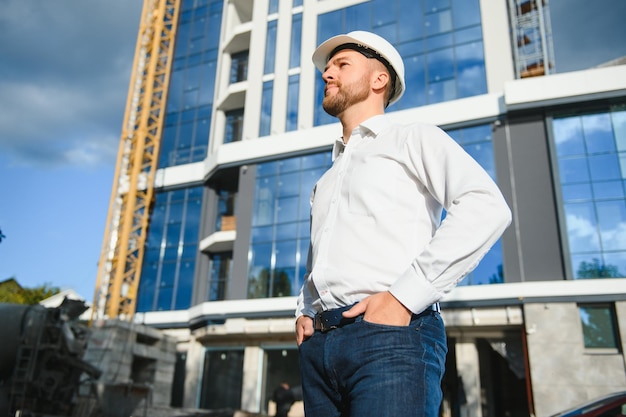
[
  {"x": 282, "y": 284},
  {"x": 499, "y": 277},
  {"x": 259, "y": 284},
  {"x": 595, "y": 269},
  {"x": 12, "y": 292}
]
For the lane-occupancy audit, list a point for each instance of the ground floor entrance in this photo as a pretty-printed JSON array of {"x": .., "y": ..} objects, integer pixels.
[{"x": 486, "y": 376}]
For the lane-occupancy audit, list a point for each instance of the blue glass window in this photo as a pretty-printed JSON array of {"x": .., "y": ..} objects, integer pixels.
[
  {"x": 239, "y": 67},
  {"x": 296, "y": 40},
  {"x": 591, "y": 155},
  {"x": 270, "y": 47},
  {"x": 599, "y": 326},
  {"x": 170, "y": 254},
  {"x": 190, "y": 95},
  {"x": 280, "y": 224},
  {"x": 292, "y": 103},
  {"x": 234, "y": 126},
  {"x": 574, "y": 49},
  {"x": 272, "y": 7},
  {"x": 221, "y": 264},
  {"x": 225, "y": 210},
  {"x": 265, "y": 123},
  {"x": 439, "y": 40}
]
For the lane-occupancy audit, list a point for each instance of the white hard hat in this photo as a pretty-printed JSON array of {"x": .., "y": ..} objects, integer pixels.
[{"x": 370, "y": 45}]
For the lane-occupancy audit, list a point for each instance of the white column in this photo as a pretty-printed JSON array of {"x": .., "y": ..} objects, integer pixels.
[
  {"x": 468, "y": 369},
  {"x": 251, "y": 387},
  {"x": 193, "y": 373}
]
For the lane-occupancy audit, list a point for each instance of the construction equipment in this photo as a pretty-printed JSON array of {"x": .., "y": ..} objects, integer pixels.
[
  {"x": 127, "y": 222},
  {"x": 41, "y": 362}
]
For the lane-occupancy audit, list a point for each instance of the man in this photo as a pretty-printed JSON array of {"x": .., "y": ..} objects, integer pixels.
[
  {"x": 284, "y": 398},
  {"x": 371, "y": 339}
]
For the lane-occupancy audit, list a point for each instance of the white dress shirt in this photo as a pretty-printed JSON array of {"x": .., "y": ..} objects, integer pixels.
[{"x": 375, "y": 218}]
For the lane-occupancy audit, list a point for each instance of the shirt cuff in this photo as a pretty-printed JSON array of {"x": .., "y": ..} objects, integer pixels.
[
  {"x": 301, "y": 310},
  {"x": 414, "y": 291}
]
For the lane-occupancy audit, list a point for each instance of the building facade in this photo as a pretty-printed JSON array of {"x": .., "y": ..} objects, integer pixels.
[{"x": 531, "y": 331}]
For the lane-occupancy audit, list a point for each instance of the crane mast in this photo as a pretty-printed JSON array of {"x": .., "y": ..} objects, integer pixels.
[{"x": 121, "y": 257}]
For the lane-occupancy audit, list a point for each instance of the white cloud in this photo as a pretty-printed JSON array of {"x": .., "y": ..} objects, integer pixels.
[
  {"x": 615, "y": 238},
  {"x": 30, "y": 108},
  {"x": 93, "y": 151},
  {"x": 566, "y": 129},
  {"x": 47, "y": 124},
  {"x": 585, "y": 234},
  {"x": 66, "y": 68},
  {"x": 579, "y": 227},
  {"x": 571, "y": 128}
]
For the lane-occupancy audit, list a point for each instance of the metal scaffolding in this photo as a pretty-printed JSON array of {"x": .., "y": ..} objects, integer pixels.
[{"x": 532, "y": 38}]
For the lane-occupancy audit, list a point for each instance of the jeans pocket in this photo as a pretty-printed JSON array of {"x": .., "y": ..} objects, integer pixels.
[{"x": 381, "y": 326}]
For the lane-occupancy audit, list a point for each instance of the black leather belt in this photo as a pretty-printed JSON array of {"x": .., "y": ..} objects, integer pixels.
[{"x": 333, "y": 319}]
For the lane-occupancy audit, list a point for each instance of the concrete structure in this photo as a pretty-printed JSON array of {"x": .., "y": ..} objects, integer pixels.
[
  {"x": 245, "y": 139},
  {"x": 137, "y": 364}
]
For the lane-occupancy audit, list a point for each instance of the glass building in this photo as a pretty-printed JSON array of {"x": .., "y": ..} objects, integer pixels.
[{"x": 245, "y": 139}]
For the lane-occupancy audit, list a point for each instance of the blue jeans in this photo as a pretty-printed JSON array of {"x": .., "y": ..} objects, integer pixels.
[{"x": 365, "y": 369}]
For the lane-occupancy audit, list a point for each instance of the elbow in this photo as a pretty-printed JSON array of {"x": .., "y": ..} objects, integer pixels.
[
  {"x": 505, "y": 215},
  {"x": 495, "y": 209},
  {"x": 498, "y": 213}
]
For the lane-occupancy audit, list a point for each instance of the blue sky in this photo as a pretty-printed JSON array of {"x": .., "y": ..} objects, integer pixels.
[
  {"x": 64, "y": 76},
  {"x": 64, "y": 72}
]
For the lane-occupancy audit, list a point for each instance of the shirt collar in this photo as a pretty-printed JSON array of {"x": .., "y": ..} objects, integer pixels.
[{"x": 374, "y": 125}]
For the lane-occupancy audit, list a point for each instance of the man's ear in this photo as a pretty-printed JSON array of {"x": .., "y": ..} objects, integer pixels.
[{"x": 381, "y": 79}]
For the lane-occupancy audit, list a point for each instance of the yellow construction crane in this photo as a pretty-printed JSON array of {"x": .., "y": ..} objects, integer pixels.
[{"x": 121, "y": 258}]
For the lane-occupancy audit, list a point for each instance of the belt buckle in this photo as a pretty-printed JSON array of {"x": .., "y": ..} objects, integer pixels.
[
  {"x": 319, "y": 324},
  {"x": 328, "y": 328}
]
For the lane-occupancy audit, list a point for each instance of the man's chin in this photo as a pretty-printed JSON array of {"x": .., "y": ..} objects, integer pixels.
[{"x": 331, "y": 109}]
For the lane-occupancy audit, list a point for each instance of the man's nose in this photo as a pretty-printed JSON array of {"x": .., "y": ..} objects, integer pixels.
[{"x": 327, "y": 75}]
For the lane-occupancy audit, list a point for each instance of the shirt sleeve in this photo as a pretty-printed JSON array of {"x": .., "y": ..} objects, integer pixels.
[{"x": 476, "y": 217}]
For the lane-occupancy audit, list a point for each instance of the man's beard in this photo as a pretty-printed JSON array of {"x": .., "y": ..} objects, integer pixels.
[{"x": 346, "y": 96}]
